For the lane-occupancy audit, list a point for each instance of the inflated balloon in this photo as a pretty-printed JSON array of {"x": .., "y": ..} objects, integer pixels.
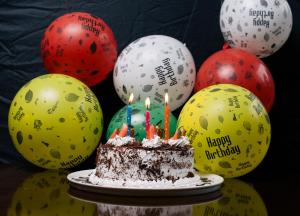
[
  {"x": 79, "y": 45},
  {"x": 238, "y": 67},
  {"x": 55, "y": 121},
  {"x": 258, "y": 26},
  {"x": 138, "y": 119},
  {"x": 239, "y": 198},
  {"x": 46, "y": 193},
  {"x": 153, "y": 65},
  {"x": 228, "y": 127}
]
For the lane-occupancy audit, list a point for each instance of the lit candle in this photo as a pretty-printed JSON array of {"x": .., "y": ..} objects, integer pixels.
[
  {"x": 167, "y": 115},
  {"x": 129, "y": 113},
  {"x": 147, "y": 104}
]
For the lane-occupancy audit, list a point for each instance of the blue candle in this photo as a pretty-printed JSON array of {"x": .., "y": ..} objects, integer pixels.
[{"x": 129, "y": 113}]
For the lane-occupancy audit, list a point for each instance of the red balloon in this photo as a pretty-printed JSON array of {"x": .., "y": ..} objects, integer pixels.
[
  {"x": 241, "y": 68},
  {"x": 79, "y": 45}
]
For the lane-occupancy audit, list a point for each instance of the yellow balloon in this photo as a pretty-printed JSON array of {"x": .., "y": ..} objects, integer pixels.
[
  {"x": 46, "y": 194},
  {"x": 238, "y": 198},
  {"x": 229, "y": 129},
  {"x": 55, "y": 121}
]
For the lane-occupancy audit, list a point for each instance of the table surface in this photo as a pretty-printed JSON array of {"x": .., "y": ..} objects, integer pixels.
[{"x": 46, "y": 192}]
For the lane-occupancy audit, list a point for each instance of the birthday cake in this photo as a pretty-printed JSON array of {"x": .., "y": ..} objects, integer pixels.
[{"x": 152, "y": 162}]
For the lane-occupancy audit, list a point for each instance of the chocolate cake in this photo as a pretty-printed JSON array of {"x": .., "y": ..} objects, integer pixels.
[{"x": 125, "y": 161}]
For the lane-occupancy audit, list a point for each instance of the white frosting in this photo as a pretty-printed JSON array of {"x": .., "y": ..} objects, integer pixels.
[
  {"x": 182, "y": 141},
  {"x": 120, "y": 141},
  {"x": 152, "y": 143},
  {"x": 135, "y": 183}
]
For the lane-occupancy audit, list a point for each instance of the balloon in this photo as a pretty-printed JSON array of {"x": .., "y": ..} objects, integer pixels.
[
  {"x": 153, "y": 65},
  {"x": 258, "y": 26},
  {"x": 138, "y": 119},
  {"x": 79, "y": 45},
  {"x": 229, "y": 129},
  {"x": 55, "y": 121},
  {"x": 239, "y": 198},
  {"x": 238, "y": 67},
  {"x": 46, "y": 193}
]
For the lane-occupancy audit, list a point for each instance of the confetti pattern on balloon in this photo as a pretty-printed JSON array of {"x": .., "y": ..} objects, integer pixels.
[
  {"x": 235, "y": 66},
  {"x": 79, "y": 45},
  {"x": 138, "y": 119},
  {"x": 229, "y": 129},
  {"x": 55, "y": 121},
  {"x": 153, "y": 65},
  {"x": 46, "y": 193},
  {"x": 257, "y": 26},
  {"x": 239, "y": 198}
]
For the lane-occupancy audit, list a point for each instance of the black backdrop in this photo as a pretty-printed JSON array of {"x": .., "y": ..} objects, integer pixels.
[{"x": 22, "y": 24}]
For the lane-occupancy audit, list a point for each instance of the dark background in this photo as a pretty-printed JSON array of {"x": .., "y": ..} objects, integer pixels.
[{"x": 196, "y": 23}]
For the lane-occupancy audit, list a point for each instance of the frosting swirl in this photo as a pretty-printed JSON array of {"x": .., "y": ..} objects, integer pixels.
[
  {"x": 120, "y": 141},
  {"x": 152, "y": 143},
  {"x": 182, "y": 141}
]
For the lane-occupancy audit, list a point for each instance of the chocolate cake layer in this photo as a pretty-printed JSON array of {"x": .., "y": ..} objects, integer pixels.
[{"x": 135, "y": 162}]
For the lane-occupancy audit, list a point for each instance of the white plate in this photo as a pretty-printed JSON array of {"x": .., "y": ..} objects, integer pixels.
[{"x": 209, "y": 183}]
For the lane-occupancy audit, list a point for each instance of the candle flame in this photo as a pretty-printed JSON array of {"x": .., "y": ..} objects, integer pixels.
[
  {"x": 166, "y": 98},
  {"x": 130, "y": 98},
  {"x": 147, "y": 103}
]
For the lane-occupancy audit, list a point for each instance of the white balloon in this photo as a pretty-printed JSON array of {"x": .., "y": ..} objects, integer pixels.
[
  {"x": 257, "y": 26},
  {"x": 153, "y": 65}
]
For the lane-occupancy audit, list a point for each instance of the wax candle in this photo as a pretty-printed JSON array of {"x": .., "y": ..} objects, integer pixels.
[
  {"x": 158, "y": 131},
  {"x": 115, "y": 133},
  {"x": 129, "y": 113},
  {"x": 123, "y": 131},
  {"x": 167, "y": 116},
  {"x": 147, "y": 114},
  {"x": 151, "y": 132}
]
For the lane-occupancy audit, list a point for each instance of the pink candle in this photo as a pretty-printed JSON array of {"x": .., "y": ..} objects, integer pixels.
[
  {"x": 167, "y": 116},
  {"x": 147, "y": 114}
]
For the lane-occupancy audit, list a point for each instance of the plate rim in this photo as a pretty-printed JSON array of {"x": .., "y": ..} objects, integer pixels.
[{"x": 192, "y": 190}]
